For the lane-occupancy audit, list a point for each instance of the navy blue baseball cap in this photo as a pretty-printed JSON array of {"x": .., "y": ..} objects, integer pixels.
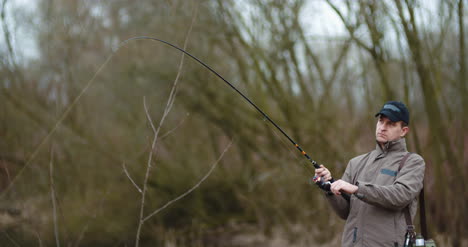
[{"x": 395, "y": 111}]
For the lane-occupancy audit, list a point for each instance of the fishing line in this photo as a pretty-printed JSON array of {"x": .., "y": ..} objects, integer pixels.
[
  {"x": 57, "y": 124},
  {"x": 314, "y": 163},
  {"x": 90, "y": 82}
]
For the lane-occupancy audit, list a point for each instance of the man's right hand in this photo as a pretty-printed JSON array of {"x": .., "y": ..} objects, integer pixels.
[{"x": 323, "y": 174}]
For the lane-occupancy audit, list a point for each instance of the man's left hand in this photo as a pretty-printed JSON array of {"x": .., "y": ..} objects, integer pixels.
[{"x": 341, "y": 186}]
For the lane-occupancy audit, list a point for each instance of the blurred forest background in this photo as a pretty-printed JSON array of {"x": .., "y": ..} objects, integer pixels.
[{"x": 73, "y": 132}]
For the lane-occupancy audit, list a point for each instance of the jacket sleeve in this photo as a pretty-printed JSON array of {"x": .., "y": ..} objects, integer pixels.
[
  {"x": 338, "y": 203},
  {"x": 406, "y": 187}
]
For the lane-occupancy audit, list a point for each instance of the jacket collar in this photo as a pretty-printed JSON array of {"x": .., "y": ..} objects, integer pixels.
[{"x": 392, "y": 146}]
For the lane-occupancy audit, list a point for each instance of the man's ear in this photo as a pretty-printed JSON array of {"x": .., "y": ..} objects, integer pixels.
[{"x": 405, "y": 131}]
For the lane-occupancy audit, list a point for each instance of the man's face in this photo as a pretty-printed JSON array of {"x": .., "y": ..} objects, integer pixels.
[{"x": 386, "y": 130}]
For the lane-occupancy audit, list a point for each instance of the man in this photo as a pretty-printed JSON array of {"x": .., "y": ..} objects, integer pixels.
[{"x": 379, "y": 191}]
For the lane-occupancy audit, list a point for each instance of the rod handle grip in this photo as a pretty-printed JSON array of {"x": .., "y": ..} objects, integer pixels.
[
  {"x": 326, "y": 187},
  {"x": 346, "y": 196}
]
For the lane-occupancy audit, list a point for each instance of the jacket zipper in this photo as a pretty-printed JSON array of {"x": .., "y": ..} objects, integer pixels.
[{"x": 355, "y": 234}]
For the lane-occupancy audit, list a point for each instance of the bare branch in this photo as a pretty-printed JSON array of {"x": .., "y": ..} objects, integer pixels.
[
  {"x": 130, "y": 178},
  {"x": 148, "y": 165},
  {"x": 213, "y": 166},
  {"x": 11, "y": 239},
  {"x": 176, "y": 127},
  {"x": 57, "y": 124},
  {"x": 167, "y": 109},
  {"x": 150, "y": 120},
  {"x": 38, "y": 238},
  {"x": 6, "y": 33},
  {"x": 52, "y": 195},
  {"x": 349, "y": 27},
  {"x": 86, "y": 226}
]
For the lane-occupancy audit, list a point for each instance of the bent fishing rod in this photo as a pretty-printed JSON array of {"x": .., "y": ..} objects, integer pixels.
[{"x": 323, "y": 185}]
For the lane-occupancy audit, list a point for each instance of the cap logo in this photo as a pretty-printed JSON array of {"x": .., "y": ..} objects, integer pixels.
[{"x": 391, "y": 107}]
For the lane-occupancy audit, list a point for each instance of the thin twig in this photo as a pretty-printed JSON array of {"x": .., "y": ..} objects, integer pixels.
[
  {"x": 11, "y": 239},
  {"x": 81, "y": 235},
  {"x": 167, "y": 109},
  {"x": 176, "y": 127},
  {"x": 148, "y": 168},
  {"x": 129, "y": 177},
  {"x": 150, "y": 120},
  {"x": 86, "y": 227},
  {"x": 52, "y": 196},
  {"x": 38, "y": 238},
  {"x": 191, "y": 189},
  {"x": 6, "y": 170},
  {"x": 7, "y": 34},
  {"x": 57, "y": 124},
  {"x": 148, "y": 165}
]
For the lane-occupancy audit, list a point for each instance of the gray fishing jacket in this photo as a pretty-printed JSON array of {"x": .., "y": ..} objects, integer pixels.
[{"x": 374, "y": 216}]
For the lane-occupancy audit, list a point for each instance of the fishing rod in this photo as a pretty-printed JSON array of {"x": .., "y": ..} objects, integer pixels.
[{"x": 323, "y": 185}]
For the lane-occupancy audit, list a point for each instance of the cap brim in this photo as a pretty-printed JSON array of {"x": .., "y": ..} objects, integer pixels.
[{"x": 388, "y": 114}]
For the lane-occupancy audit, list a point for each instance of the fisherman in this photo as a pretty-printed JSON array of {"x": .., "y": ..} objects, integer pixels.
[{"x": 380, "y": 192}]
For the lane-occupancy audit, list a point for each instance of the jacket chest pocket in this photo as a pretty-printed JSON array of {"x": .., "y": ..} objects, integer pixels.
[{"x": 386, "y": 176}]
